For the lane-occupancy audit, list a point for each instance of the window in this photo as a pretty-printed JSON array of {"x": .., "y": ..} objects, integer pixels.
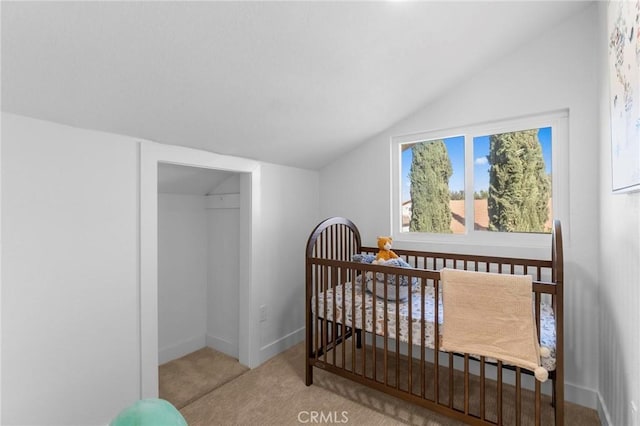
[
  {"x": 484, "y": 183},
  {"x": 433, "y": 186}
]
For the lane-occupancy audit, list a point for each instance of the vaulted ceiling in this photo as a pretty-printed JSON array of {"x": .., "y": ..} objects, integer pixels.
[{"x": 293, "y": 83}]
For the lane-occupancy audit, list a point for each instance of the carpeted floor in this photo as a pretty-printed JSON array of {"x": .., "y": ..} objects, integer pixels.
[
  {"x": 186, "y": 379},
  {"x": 275, "y": 394}
]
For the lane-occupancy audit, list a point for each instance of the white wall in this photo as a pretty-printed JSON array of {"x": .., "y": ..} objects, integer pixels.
[
  {"x": 198, "y": 272},
  {"x": 555, "y": 72},
  {"x": 289, "y": 211},
  {"x": 70, "y": 275},
  {"x": 182, "y": 274},
  {"x": 223, "y": 227},
  {"x": 71, "y": 270},
  {"x": 619, "y": 291}
]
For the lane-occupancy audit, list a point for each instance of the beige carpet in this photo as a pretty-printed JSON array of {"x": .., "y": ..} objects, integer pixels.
[
  {"x": 275, "y": 394},
  {"x": 186, "y": 379}
]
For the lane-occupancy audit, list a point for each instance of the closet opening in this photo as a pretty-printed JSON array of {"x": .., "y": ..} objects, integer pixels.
[
  {"x": 198, "y": 280},
  {"x": 161, "y": 338}
]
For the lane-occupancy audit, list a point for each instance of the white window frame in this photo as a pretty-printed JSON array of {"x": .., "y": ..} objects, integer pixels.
[{"x": 559, "y": 123}]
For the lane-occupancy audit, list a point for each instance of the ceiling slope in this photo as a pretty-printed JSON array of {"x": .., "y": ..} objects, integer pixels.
[{"x": 293, "y": 83}]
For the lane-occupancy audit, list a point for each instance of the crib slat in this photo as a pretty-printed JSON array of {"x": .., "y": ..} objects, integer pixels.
[
  {"x": 354, "y": 323},
  {"x": 466, "y": 383},
  {"x": 537, "y": 314},
  {"x": 436, "y": 334},
  {"x": 539, "y": 274},
  {"x": 499, "y": 396},
  {"x": 482, "y": 389},
  {"x": 518, "y": 397},
  {"x": 364, "y": 327},
  {"x": 385, "y": 333},
  {"x": 538, "y": 414},
  {"x": 398, "y": 331},
  {"x": 422, "y": 345},
  {"x": 318, "y": 325},
  {"x": 334, "y": 329},
  {"x": 410, "y": 348},
  {"x": 341, "y": 242},
  {"x": 324, "y": 245},
  {"x": 325, "y": 326},
  {"x": 450, "y": 379},
  {"x": 332, "y": 252},
  {"x": 343, "y": 322},
  {"x": 374, "y": 334}
]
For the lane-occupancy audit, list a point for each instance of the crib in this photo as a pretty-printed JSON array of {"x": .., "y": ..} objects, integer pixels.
[{"x": 390, "y": 341}]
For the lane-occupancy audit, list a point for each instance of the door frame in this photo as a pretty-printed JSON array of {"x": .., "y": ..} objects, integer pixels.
[{"x": 150, "y": 155}]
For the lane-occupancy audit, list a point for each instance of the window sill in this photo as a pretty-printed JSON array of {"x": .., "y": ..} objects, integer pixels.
[{"x": 530, "y": 246}]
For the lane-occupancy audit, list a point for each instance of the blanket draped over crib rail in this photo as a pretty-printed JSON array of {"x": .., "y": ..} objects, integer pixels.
[{"x": 491, "y": 315}]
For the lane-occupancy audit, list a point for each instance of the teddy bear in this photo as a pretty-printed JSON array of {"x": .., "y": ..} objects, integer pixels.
[{"x": 385, "y": 253}]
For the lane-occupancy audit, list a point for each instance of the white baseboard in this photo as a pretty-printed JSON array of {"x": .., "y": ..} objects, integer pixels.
[
  {"x": 280, "y": 345},
  {"x": 581, "y": 396},
  {"x": 603, "y": 412},
  {"x": 181, "y": 349},
  {"x": 222, "y": 345}
]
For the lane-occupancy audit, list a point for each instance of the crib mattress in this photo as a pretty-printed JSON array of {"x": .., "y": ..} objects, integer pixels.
[{"x": 376, "y": 316}]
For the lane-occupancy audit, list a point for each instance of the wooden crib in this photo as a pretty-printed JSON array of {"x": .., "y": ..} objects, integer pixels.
[{"x": 386, "y": 341}]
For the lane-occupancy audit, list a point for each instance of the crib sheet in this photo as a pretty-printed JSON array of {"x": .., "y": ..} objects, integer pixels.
[{"x": 547, "y": 326}]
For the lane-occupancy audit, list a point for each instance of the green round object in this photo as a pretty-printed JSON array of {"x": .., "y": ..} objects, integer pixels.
[{"x": 150, "y": 412}]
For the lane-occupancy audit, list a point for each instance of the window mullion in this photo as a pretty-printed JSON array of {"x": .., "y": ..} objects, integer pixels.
[{"x": 468, "y": 184}]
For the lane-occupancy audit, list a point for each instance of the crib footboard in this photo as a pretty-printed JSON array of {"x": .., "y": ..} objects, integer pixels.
[{"x": 380, "y": 326}]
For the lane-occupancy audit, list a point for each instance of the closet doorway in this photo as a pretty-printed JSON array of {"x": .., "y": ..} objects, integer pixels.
[
  {"x": 152, "y": 156},
  {"x": 198, "y": 281},
  {"x": 198, "y": 260}
]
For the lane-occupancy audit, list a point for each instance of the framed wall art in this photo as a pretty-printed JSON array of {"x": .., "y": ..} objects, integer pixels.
[{"x": 623, "y": 28}]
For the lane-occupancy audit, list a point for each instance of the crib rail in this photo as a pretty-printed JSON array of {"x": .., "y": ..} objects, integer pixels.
[{"x": 346, "y": 337}]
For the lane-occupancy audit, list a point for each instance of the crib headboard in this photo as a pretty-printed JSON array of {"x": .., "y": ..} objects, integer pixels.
[{"x": 336, "y": 238}]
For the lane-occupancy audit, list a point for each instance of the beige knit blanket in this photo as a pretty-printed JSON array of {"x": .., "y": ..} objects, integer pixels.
[{"x": 491, "y": 315}]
